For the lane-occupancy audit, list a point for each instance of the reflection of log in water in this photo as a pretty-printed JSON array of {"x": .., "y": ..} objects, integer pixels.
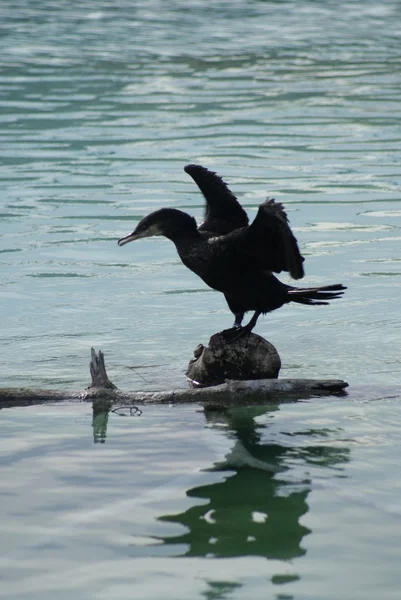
[
  {"x": 100, "y": 409},
  {"x": 251, "y": 511}
]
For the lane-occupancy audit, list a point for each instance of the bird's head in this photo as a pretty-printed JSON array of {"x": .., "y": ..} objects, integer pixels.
[{"x": 170, "y": 222}]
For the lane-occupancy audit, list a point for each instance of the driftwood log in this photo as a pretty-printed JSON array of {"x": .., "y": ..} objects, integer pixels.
[{"x": 230, "y": 393}]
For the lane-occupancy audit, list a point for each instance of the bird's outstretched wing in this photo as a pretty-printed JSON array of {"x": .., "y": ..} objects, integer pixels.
[
  {"x": 223, "y": 211},
  {"x": 270, "y": 241}
]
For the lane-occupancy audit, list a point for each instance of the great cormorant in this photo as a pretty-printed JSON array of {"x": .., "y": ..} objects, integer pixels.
[{"x": 233, "y": 257}]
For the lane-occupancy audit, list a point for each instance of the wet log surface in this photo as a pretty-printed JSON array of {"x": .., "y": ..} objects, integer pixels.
[{"x": 229, "y": 393}]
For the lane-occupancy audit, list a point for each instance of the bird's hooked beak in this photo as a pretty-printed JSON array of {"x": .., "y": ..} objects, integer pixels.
[
  {"x": 131, "y": 238},
  {"x": 141, "y": 232}
]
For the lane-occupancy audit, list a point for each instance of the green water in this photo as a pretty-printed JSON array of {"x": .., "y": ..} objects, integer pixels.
[
  {"x": 296, "y": 501},
  {"x": 101, "y": 105}
]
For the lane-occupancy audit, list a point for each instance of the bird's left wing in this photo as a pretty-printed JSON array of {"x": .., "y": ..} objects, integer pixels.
[
  {"x": 223, "y": 211},
  {"x": 270, "y": 241}
]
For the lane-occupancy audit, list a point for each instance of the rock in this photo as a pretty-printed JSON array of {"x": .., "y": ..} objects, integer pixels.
[{"x": 248, "y": 357}]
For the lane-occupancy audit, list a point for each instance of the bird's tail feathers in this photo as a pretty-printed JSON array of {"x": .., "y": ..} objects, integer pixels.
[{"x": 317, "y": 295}]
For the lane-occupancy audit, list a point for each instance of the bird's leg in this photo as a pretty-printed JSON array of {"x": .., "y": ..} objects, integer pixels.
[
  {"x": 249, "y": 326},
  {"x": 231, "y": 335},
  {"x": 239, "y": 317}
]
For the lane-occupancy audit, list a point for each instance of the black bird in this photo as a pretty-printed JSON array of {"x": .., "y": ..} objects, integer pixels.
[{"x": 233, "y": 257}]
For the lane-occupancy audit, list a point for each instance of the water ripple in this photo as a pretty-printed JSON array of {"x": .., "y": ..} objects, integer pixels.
[{"x": 102, "y": 106}]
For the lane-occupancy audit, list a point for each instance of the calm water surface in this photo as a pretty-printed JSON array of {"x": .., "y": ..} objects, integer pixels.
[{"x": 101, "y": 105}]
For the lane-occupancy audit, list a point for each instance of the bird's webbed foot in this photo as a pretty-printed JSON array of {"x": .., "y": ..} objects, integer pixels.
[
  {"x": 235, "y": 333},
  {"x": 232, "y": 334}
]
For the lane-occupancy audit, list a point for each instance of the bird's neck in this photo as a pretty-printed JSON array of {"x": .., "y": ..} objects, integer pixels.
[
  {"x": 186, "y": 239},
  {"x": 182, "y": 231}
]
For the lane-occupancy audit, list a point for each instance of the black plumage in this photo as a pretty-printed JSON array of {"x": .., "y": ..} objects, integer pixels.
[
  {"x": 232, "y": 256},
  {"x": 223, "y": 212}
]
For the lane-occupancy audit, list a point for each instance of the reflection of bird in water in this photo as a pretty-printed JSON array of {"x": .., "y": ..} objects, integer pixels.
[
  {"x": 233, "y": 257},
  {"x": 256, "y": 507}
]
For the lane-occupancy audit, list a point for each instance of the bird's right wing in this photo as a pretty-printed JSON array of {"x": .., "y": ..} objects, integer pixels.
[
  {"x": 223, "y": 211},
  {"x": 270, "y": 241}
]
